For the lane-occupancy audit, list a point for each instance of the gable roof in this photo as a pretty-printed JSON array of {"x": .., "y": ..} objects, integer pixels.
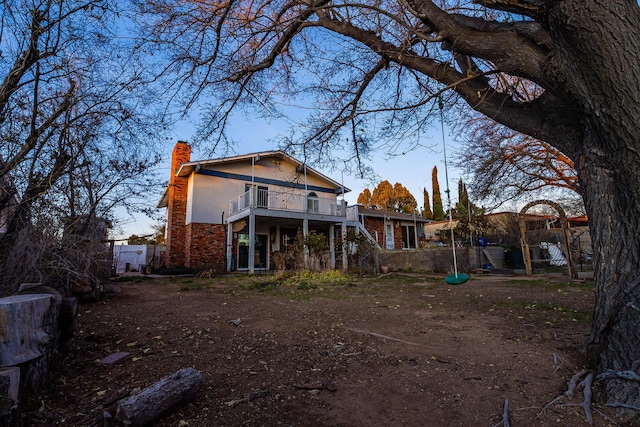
[{"x": 188, "y": 168}]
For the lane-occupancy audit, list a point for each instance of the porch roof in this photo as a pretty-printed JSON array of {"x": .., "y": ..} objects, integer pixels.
[{"x": 389, "y": 214}]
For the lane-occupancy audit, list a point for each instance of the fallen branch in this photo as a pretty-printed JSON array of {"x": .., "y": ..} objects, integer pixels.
[
  {"x": 573, "y": 383},
  {"x": 258, "y": 394},
  {"x": 505, "y": 415},
  {"x": 586, "y": 403},
  {"x": 622, "y": 375},
  {"x": 381, "y": 336},
  {"x": 571, "y": 388},
  {"x": 623, "y": 405}
]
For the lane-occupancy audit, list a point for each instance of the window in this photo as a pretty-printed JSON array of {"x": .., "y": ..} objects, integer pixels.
[
  {"x": 408, "y": 237},
  {"x": 313, "y": 204}
]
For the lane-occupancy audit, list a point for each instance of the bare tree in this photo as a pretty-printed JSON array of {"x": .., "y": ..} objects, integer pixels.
[
  {"x": 505, "y": 165},
  {"x": 76, "y": 132},
  {"x": 372, "y": 69}
]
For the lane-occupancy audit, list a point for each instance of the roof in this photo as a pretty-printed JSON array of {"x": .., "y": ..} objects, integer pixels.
[
  {"x": 164, "y": 199},
  {"x": 389, "y": 214},
  {"x": 187, "y": 168}
]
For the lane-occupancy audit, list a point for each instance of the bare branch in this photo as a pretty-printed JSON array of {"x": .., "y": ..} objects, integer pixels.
[{"x": 533, "y": 8}]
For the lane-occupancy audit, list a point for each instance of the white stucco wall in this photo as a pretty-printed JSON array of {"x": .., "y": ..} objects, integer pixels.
[{"x": 209, "y": 196}]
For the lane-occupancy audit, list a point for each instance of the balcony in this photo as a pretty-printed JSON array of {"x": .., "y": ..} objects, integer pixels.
[{"x": 285, "y": 201}]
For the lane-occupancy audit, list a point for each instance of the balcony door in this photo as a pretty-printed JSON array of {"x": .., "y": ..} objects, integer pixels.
[{"x": 260, "y": 196}]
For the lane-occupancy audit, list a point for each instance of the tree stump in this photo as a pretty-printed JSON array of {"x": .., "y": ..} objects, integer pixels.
[
  {"x": 157, "y": 400},
  {"x": 68, "y": 310},
  {"x": 29, "y": 327}
]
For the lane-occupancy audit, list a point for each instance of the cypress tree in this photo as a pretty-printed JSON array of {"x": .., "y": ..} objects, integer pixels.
[
  {"x": 438, "y": 210},
  {"x": 426, "y": 212}
]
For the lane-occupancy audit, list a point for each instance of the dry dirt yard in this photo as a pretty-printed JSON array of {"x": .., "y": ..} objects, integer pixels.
[{"x": 395, "y": 350}]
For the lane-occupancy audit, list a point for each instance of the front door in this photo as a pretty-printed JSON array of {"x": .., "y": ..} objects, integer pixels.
[{"x": 389, "y": 235}]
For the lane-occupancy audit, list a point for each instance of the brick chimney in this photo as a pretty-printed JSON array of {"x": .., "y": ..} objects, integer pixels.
[{"x": 177, "y": 207}]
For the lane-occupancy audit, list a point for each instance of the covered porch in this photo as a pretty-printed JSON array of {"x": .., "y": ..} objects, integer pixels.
[{"x": 256, "y": 233}]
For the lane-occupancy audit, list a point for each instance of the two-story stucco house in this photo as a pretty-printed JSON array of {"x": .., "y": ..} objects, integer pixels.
[{"x": 234, "y": 213}]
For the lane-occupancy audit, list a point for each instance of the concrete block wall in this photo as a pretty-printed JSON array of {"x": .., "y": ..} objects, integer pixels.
[{"x": 439, "y": 260}]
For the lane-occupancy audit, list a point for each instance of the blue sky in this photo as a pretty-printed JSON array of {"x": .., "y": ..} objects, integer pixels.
[{"x": 413, "y": 169}]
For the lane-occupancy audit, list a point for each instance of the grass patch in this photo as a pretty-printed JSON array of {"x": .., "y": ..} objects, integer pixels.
[
  {"x": 190, "y": 286},
  {"x": 403, "y": 279},
  {"x": 559, "y": 284},
  {"x": 548, "y": 311},
  {"x": 302, "y": 280}
]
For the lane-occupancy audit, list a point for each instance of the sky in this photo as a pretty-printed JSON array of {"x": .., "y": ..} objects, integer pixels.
[{"x": 413, "y": 169}]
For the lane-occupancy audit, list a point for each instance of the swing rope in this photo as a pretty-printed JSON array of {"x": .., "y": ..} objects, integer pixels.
[{"x": 456, "y": 278}]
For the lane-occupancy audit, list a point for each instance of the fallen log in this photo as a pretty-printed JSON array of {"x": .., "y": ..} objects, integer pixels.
[{"x": 156, "y": 400}]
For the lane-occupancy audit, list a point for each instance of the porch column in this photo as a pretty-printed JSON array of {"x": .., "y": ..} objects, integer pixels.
[
  {"x": 229, "y": 246},
  {"x": 332, "y": 246},
  {"x": 305, "y": 232},
  {"x": 252, "y": 240},
  {"x": 345, "y": 259}
]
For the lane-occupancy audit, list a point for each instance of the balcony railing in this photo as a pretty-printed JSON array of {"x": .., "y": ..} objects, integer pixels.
[{"x": 285, "y": 201}]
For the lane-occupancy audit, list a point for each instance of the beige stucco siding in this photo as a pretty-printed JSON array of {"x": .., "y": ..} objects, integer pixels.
[{"x": 209, "y": 196}]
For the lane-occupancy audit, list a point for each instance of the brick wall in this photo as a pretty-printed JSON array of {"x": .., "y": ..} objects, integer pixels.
[
  {"x": 397, "y": 235},
  {"x": 205, "y": 246},
  {"x": 376, "y": 224},
  {"x": 177, "y": 208}
]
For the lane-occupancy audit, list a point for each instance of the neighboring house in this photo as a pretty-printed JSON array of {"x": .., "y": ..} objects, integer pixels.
[
  {"x": 235, "y": 213},
  {"x": 389, "y": 229}
]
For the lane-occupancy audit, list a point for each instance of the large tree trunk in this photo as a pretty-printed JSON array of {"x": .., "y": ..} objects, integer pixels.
[
  {"x": 598, "y": 52},
  {"x": 612, "y": 188}
]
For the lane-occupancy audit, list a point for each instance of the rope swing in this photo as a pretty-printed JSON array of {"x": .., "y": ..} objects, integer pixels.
[{"x": 456, "y": 278}]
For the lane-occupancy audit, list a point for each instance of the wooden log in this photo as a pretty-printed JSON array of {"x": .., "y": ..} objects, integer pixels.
[{"x": 157, "y": 400}]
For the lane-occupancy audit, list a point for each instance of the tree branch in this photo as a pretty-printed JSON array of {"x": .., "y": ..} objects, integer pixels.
[
  {"x": 532, "y": 8},
  {"x": 283, "y": 41}
]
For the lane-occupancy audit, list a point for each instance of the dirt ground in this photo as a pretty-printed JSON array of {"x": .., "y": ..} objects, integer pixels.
[{"x": 394, "y": 350}]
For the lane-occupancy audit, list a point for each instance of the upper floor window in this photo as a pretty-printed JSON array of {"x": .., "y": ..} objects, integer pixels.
[{"x": 313, "y": 204}]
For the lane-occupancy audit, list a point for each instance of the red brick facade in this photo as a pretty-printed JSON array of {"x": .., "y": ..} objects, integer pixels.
[
  {"x": 205, "y": 245},
  {"x": 373, "y": 225},
  {"x": 193, "y": 245},
  {"x": 177, "y": 207}
]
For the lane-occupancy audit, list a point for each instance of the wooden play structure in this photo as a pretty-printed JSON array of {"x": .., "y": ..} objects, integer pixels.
[{"x": 554, "y": 243}]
